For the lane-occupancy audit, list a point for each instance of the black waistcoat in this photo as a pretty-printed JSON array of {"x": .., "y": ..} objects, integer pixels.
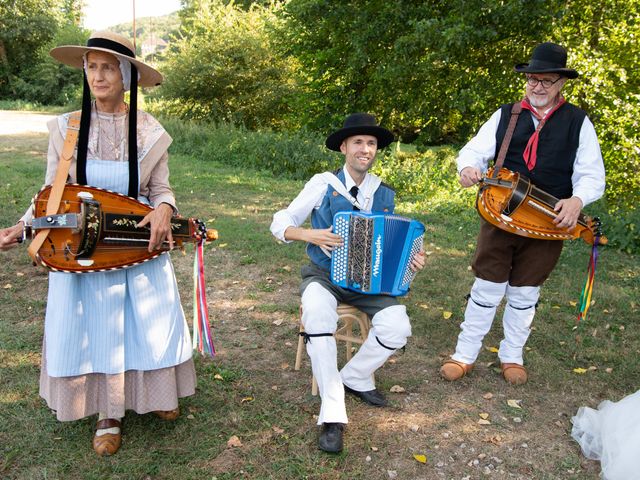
[{"x": 557, "y": 147}]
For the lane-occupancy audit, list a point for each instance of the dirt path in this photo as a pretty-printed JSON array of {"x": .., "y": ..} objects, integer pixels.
[{"x": 17, "y": 122}]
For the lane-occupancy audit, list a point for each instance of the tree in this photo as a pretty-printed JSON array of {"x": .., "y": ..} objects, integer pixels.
[
  {"x": 27, "y": 27},
  {"x": 222, "y": 67},
  {"x": 429, "y": 70}
]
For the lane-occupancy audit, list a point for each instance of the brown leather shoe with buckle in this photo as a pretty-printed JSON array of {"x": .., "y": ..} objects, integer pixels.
[
  {"x": 514, "y": 373},
  {"x": 109, "y": 443},
  {"x": 453, "y": 370},
  {"x": 168, "y": 414}
]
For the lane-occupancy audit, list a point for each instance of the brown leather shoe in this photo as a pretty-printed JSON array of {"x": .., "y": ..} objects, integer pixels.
[
  {"x": 514, "y": 373},
  {"x": 109, "y": 443},
  {"x": 453, "y": 370},
  {"x": 168, "y": 414}
]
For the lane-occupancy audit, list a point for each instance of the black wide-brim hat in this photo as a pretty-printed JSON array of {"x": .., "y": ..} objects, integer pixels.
[
  {"x": 359, "y": 124},
  {"x": 547, "y": 58}
]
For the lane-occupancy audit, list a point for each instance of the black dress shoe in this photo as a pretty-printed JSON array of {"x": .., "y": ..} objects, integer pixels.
[
  {"x": 331, "y": 437},
  {"x": 372, "y": 397}
]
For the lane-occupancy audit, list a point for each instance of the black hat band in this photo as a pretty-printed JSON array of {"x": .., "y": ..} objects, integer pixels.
[{"x": 110, "y": 45}]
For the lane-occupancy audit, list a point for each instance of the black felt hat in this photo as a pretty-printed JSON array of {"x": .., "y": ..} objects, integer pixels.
[
  {"x": 359, "y": 124},
  {"x": 547, "y": 58}
]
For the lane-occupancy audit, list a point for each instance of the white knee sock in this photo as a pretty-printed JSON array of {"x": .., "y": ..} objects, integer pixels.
[
  {"x": 478, "y": 317},
  {"x": 516, "y": 322}
]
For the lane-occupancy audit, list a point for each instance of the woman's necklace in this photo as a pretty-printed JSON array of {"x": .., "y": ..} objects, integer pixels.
[{"x": 113, "y": 138}]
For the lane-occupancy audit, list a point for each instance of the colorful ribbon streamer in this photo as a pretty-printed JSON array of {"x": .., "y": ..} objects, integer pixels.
[
  {"x": 202, "y": 339},
  {"x": 587, "y": 290}
]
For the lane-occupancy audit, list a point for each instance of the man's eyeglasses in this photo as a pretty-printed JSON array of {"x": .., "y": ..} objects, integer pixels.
[{"x": 545, "y": 83}]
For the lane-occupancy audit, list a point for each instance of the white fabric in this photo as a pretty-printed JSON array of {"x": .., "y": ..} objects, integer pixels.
[
  {"x": 390, "y": 326},
  {"x": 115, "y": 321},
  {"x": 588, "y": 168},
  {"x": 319, "y": 316},
  {"x": 611, "y": 434},
  {"x": 103, "y": 431},
  {"x": 478, "y": 317},
  {"x": 516, "y": 322},
  {"x": 311, "y": 197}
]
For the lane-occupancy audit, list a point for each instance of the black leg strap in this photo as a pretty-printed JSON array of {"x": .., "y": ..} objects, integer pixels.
[
  {"x": 469, "y": 297},
  {"x": 307, "y": 336},
  {"x": 383, "y": 345},
  {"x": 524, "y": 308}
]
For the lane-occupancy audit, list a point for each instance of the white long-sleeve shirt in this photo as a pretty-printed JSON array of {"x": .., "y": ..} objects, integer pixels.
[
  {"x": 588, "y": 178},
  {"x": 311, "y": 196}
]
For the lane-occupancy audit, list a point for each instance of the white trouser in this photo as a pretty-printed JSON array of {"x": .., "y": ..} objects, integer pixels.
[
  {"x": 390, "y": 326},
  {"x": 516, "y": 322},
  {"x": 481, "y": 308},
  {"x": 390, "y": 329}
]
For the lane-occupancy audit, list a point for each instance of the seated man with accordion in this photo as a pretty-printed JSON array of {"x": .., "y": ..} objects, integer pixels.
[
  {"x": 351, "y": 189},
  {"x": 553, "y": 145}
]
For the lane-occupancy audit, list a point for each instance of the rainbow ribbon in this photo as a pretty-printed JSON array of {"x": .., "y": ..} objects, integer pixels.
[
  {"x": 202, "y": 339},
  {"x": 587, "y": 290}
]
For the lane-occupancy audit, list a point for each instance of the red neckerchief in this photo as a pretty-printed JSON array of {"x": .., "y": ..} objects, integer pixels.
[{"x": 531, "y": 151}]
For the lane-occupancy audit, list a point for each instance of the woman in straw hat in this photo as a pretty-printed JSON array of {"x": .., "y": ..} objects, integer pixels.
[{"x": 114, "y": 340}]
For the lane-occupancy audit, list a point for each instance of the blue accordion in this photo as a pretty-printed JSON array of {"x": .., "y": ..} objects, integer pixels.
[{"x": 377, "y": 252}]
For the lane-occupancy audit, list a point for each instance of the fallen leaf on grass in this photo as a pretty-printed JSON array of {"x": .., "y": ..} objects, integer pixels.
[
  {"x": 243, "y": 329},
  {"x": 396, "y": 389},
  {"x": 484, "y": 422},
  {"x": 423, "y": 305},
  {"x": 234, "y": 441},
  {"x": 20, "y": 274},
  {"x": 420, "y": 458},
  {"x": 190, "y": 416},
  {"x": 278, "y": 322},
  {"x": 580, "y": 370},
  {"x": 246, "y": 399},
  {"x": 514, "y": 403},
  {"x": 222, "y": 245},
  {"x": 573, "y": 304},
  {"x": 374, "y": 449},
  {"x": 287, "y": 268},
  {"x": 491, "y": 349},
  {"x": 592, "y": 368},
  {"x": 488, "y": 396},
  {"x": 277, "y": 430},
  {"x": 7, "y": 286},
  {"x": 608, "y": 370},
  {"x": 446, "y": 315},
  {"x": 483, "y": 416},
  {"x": 217, "y": 376}
]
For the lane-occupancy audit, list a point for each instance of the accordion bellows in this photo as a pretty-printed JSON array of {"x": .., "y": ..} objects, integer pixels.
[{"x": 377, "y": 252}]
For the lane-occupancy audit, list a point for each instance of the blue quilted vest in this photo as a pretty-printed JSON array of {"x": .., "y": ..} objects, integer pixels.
[{"x": 333, "y": 202}]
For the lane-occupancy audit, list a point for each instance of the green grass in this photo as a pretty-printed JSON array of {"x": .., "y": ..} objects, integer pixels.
[{"x": 252, "y": 281}]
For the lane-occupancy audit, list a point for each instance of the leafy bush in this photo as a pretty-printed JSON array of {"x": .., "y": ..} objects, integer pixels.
[
  {"x": 222, "y": 67},
  {"x": 297, "y": 155}
]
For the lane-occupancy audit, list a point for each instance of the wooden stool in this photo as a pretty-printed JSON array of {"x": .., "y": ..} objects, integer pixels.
[{"x": 348, "y": 315}]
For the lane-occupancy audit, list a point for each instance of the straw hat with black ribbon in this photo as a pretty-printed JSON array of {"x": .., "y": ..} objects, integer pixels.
[{"x": 141, "y": 74}]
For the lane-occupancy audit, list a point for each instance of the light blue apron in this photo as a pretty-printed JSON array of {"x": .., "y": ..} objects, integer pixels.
[{"x": 110, "y": 322}]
